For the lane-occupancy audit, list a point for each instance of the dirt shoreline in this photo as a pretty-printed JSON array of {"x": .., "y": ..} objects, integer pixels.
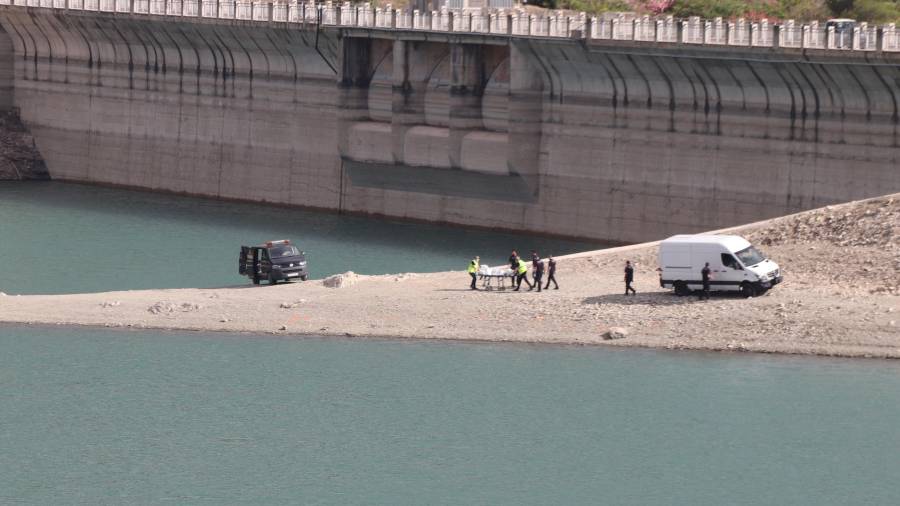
[{"x": 841, "y": 297}]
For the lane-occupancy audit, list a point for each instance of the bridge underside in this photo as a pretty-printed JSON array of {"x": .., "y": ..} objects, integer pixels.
[{"x": 614, "y": 143}]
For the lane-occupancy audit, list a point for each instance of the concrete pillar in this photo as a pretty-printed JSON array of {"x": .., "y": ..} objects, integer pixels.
[
  {"x": 467, "y": 81},
  {"x": 353, "y": 86},
  {"x": 7, "y": 70},
  {"x": 414, "y": 63},
  {"x": 526, "y": 101}
]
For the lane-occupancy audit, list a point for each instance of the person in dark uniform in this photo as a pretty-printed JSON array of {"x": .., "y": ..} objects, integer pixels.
[
  {"x": 707, "y": 275},
  {"x": 629, "y": 278},
  {"x": 551, "y": 273},
  {"x": 535, "y": 260},
  {"x": 514, "y": 264},
  {"x": 538, "y": 274}
]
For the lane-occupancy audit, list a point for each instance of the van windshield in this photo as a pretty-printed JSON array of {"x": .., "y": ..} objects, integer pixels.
[
  {"x": 750, "y": 256},
  {"x": 287, "y": 250}
]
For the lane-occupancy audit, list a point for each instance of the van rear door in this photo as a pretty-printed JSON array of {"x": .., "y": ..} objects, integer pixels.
[{"x": 242, "y": 260}]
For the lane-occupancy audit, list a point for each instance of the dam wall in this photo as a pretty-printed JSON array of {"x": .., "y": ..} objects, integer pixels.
[{"x": 608, "y": 140}]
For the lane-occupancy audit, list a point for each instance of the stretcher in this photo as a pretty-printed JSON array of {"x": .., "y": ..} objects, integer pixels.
[{"x": 494, "y": 278}]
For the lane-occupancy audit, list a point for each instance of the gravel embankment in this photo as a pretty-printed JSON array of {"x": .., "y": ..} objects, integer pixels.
[{"x": 841, "y": 296}]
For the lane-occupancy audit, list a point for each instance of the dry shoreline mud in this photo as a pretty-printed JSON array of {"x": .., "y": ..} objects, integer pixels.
[{"x": 841, "y": 297}]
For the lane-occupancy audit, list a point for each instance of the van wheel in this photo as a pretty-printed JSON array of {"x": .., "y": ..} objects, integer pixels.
[
  {"x": 681, "y": 289},
  {"x": 304, "y": 277},
  {"x": 747, "y": 290}
]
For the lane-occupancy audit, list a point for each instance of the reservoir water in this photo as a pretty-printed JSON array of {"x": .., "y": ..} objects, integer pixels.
[
  {"x": 110, "y": 417},
  {"x": 92, "y": 416},
  {"x": 65, "y": 238}
]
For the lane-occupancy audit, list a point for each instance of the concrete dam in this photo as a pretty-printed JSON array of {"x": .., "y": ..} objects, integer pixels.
[{"x": 570, "y": 135}]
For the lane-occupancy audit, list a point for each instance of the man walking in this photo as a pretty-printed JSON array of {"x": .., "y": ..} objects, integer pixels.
[
  {"x": 707, "y": 275},
  {"x": 522, "y": 275},
  {"x": 629, "y": 278},
  {"x": 473, "y": 271},
  {"x": 551, "y": 273},
  {"x": 514, "y": 265},
  {"x": 535, "y": 261},
  {"x": 538, "y": 274}
]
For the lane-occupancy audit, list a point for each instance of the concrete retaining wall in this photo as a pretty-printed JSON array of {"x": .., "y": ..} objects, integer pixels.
[{"x": 613, "y": 142}]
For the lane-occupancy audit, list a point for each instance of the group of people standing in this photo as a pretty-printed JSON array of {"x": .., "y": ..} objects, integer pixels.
[
  {"x": 520, "y": 274},
  {"x": 520, "y": 271}
]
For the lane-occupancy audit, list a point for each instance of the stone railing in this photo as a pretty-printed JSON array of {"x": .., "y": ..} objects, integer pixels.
[{"x": 513, "y": 22}]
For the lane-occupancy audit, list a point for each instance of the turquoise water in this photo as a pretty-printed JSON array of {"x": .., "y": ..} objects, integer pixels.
[
  {"x": 64, "y": 238},
  {"x": 110, "y": 417}
]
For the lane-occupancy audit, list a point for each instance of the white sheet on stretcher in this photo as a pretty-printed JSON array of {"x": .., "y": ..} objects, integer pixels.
[{"x": 502, "y": 271}]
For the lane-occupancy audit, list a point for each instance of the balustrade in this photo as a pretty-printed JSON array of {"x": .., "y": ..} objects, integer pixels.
[
  {"x": 209, "y": 9},
  {"x": 790, "y": 35},
  {"x": 190, "y": 8},
  {"x": 645, "y": 29},
  {"x": 814, "y": 36},
  {"x": 694, "y": 30},
  {"x": 890, "y": 38}
]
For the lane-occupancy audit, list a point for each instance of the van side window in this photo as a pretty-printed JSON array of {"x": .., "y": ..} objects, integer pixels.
[{"x": 729, "y": 261}]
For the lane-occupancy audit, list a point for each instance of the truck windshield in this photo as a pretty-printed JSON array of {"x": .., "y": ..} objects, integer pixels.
[
  {"x": 750, "y": 256},
  {"x": 287, "y": 250}
]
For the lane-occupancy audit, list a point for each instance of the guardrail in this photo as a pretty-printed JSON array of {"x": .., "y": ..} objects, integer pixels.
[{"x": 514, "y": 22}]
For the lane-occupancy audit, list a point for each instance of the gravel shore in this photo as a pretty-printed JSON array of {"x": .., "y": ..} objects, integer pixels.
[{"x": 841, "y": 297}]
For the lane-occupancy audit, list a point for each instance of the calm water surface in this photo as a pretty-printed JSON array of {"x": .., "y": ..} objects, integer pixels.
[
  {"x": 64, "y": 238},
  {"x": 107, "y": 417}
]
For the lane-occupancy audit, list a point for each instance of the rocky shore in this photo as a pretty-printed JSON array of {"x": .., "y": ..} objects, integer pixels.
[
  {"x": 841, "y": 297},
  {"x": 19, "y": 158}
]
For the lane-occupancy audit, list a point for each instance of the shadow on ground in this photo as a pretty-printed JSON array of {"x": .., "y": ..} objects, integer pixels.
[{"x": 657, "y": 298}]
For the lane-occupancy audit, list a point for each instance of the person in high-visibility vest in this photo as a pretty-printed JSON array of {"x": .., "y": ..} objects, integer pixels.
[
  {"x": 473, "y": 271},
  {"x": 522, "y": 275}
]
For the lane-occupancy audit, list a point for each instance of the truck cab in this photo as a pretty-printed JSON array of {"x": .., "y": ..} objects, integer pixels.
[
  {"x": 273, "y": 261},
  {"x": 735, "y": 264}
]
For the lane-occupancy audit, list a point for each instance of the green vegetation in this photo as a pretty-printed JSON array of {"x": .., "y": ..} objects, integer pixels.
[{"x": 873, "y": 11}]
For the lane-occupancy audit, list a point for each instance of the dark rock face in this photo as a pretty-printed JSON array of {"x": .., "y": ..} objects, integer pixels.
[{"x": 19, "y": 157}]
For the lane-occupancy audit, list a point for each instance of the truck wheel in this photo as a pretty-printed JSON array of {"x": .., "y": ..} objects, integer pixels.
[
  {"x": 681, "y": 288},
  {"x": 747, "y": 290},
  {"x": 304, "y": 277}
]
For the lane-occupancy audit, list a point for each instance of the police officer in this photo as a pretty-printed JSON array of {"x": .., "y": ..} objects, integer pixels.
[
  {"x": 473, "y": 271},
  {"x": 538, "y": 274},
  {"x": 522, "y": 275},
  {"x": 629, "y": 278},
  {"x": 551, "y": 273},
  {"x": 707, "y": 275},
  {"x": 514, "y": 265},
  {"x": 535, "y": 260}
]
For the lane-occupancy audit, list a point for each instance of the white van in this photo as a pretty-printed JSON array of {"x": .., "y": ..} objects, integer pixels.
[{"x": 734, "y": 262}]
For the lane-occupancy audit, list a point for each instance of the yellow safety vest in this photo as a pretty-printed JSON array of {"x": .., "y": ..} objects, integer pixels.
[
  {"x": 473, "y": 267},
  {"x": 523, "y": 267}
]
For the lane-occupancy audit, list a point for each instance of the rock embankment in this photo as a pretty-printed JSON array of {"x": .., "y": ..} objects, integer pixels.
[
  {"x": 841, "y": 296},
  {"x": 19, "y": 157}
]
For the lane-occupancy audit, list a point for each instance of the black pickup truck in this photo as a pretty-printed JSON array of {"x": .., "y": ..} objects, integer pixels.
[{"x": 275, "y": 261}]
